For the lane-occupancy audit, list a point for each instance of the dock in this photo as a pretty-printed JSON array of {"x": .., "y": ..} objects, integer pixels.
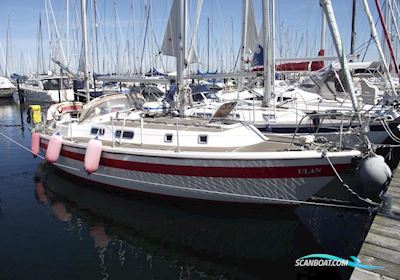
[{"x": 382, "y": 244}]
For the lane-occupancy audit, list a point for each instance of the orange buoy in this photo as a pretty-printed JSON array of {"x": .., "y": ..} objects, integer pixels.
[
  {"x": 35, "y": 143},
  {"x": 54, "y": 148},
  {"x": 93, "y": 155}
]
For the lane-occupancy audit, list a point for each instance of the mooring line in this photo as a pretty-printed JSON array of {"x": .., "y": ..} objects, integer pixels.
[{"x": 20, "y": 145}]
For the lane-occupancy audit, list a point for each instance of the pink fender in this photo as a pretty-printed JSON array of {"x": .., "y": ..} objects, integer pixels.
[
  {"x": 35, "y": 144},
  {"x": 93, "y": 155},
  {"x": 54, "y": 148}
]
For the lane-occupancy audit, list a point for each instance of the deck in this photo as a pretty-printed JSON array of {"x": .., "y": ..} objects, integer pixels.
[{"x": 382, "y": 244}]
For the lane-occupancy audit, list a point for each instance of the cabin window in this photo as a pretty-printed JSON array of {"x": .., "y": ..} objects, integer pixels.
[
  {"x": 51, "y": 84},
  {"x": 269, "y": 117},
  {"x": 203, "y": 139},
  {"x": 125, "y": 134},
  {"x": 237, "y": 116},
  {"x": 197, "y": 97},
  {"x": 97, "y": 131},
  {"x": 32, "y": 83},
  {"x": 168, "y": 138}
]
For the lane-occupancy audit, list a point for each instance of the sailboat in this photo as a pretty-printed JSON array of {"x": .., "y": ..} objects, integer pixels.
[{"x": 189, "y": 158}]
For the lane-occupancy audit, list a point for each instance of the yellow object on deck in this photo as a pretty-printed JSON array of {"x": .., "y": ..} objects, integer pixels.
[{"x": 36, "y": 113}]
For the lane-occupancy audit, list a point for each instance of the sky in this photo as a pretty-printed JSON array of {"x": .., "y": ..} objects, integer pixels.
[{"x": 298, "y": 29}]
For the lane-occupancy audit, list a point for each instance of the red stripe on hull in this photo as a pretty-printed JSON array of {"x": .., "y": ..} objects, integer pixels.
[{"x": 214, "y": 171}]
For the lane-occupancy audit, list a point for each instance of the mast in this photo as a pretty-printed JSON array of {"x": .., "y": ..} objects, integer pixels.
[
  {"x": 85, "y": 54},
  {"x": 232, "y": 51},
  {"x": 96, "y": 35},
  {"x": 191, "y": 52},
  {"x": 48, "y": 33},
  {"x": 7, "y": 46},
  {"x": 57, "y": 33},
  {"x": 396, "y": 26},
  {"x": 272, "y": 47},
  {"x": 116, "y": 39},
  {"x": 208, "y": 45},
  {"x": 267, "y": 52},
  {"x": 374, "y": 35},
  {"x": 133, "y": 37},
  {"x": 144, "y": 39},
  {"x": 40, "y": 57},
  {"x": 180, "y": 56},
  {"x": 327, "y": 7},
  {"x": 244, "y": 33},
  {"x": 67, "y": 41},
  {"x": 185, "y": 32},
  {"x": 353, "y": 28},
  {"x": 4, "y": 59},
  {"x": 323, "y": 30},
  {"x": 389, "y": 43},
  {"x": 92, "y": 26}
]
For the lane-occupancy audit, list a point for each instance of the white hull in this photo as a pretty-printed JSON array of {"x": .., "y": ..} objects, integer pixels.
[
  {"x": 6, "y": 92},
  {"x": 262, "y": 181},
  {"x": 50, "y": 96}
]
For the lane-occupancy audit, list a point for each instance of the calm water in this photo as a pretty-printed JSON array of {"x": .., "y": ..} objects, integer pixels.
[{"x": 52, "y": 227}]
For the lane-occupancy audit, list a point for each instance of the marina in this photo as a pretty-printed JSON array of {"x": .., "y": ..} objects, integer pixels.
[{"x": 136, "y": 143}]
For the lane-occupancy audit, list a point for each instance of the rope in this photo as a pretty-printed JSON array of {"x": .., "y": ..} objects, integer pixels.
[
  {"x": 389, "y": 132},
  {"x": 347, "y": 187},
  {"x": 387, "y": 145},
  {"x": 10, "y": 125},
  {"x": 20, "y": 145}
]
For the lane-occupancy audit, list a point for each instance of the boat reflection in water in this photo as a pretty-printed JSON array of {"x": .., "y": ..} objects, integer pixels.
[{"x": 137, "y": 237}]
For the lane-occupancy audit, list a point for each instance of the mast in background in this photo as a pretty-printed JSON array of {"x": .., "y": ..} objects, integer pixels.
[
  {"x": 244, "y": 33},
  {"x": 180, "y": 50},
  {"x": 40, "y": 56},
  {"x": 353, "y": 29},
  {"x": 266, "y": 32},
  {"x": 8, "y": 42},
  {"x": 208, "y": 45},
  {"x": 323, "y": 30},
  {"x": 85, "y": 54},
  {"x": 387, "y": 37},
  {"x": 327, "y": 7},
  {"x": 374, "y": 35}
]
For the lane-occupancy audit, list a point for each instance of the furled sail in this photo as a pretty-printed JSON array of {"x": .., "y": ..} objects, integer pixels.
[
  {"x": 251, "y": 29},
  {"x": 172, "y": 35}
]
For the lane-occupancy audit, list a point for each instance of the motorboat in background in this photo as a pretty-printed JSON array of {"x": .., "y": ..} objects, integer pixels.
[
  {"x": 7, "y": 89},
  {"x": 47, "y": 89}
]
